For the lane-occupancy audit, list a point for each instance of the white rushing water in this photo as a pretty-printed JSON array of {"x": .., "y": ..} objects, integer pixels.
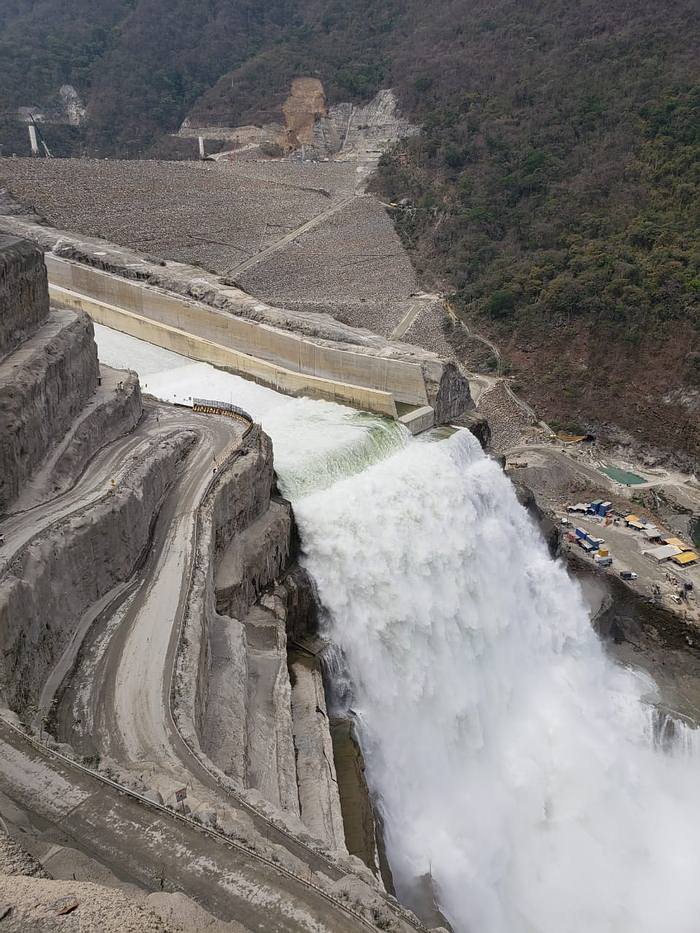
[
  {"x": 315, "y": 442},
  {"x": 513, "y": 762}
]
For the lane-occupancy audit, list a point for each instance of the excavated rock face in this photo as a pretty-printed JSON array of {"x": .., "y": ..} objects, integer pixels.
[
  {"x": 448, "y": 391},
  {"x": 246, "y": 726},
  {"x": 24, "y": 291},
  {"x": 42, "y": 390},
  {"x": 478, "y": 425},
  {"x": 305, "y": 104},
  {"x": 253, "y": 531},
  {"x": 304, "y": 119},
  {"x": 103, "y": 424},
  {"x": 47, "y": 381},
  {"x": 49, "y": 373},
  {"x": 68, "y": 109},
  {"x": 52, "y": 581},
  {"x": 370, "y": 128},
  {"x": 74, "y": 109},
  {"x": 295, "y": 596},
  {"x": 302, "y": 109}
]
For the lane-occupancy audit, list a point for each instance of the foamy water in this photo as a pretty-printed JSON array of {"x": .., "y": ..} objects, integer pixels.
[
  {"x": 315, "y": 442},
  {"x": 513, "y": 762}
]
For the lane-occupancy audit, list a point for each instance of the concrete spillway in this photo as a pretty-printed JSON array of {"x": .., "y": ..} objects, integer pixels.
[
  {"x": 517, "y": 769},
  {"x": 316, "y": 442}
]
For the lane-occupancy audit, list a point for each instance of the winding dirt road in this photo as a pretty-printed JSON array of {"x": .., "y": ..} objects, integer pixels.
[{"x": 115, "y": 704}]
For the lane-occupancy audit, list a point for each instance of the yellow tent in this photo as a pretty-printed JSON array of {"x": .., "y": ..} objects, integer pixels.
[{"x": 687, "y": 557}]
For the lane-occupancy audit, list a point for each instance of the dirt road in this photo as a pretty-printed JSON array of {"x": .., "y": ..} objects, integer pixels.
[
  {"x": 115, "y": 704},
  {"x": 148, "y": 847}
]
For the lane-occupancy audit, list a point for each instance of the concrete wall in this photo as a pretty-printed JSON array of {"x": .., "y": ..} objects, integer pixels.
[
  {"x": 418, "y": 420},
  {"x": 198, "y": 348},
  {"x": 401, "y": 379}
]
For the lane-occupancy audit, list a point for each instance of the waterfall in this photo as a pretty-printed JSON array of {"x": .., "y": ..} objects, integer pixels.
[
  {"x": 513, "y": 762},
  {"x": 529, "y": 777}
]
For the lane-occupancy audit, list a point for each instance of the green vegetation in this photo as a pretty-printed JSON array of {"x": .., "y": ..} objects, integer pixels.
[
  {"x": 564, "y": 187},
  {"x": 141, "y": 65},
  {"x": 695, "y": 532}
]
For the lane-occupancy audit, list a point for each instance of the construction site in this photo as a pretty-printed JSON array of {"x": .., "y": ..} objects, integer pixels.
[
  {"x": 171, "y": 754},
  {"x": 114, "y": 765}
]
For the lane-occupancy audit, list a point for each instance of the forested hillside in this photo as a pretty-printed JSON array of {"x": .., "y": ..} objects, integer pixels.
[
  {"x": 139, "y": 64},
  {"x": 553, "y": 192}
]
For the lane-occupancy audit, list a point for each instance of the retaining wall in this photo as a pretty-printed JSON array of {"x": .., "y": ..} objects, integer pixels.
[
  {"x": 199, "y": 348},
  {"x": 401, "y": 380}
]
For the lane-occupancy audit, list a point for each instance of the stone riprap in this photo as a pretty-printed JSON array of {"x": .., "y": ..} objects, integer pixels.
[
  {"x": 352, "y": 265},
  {"x": 336, "y": 179},
  {"x": 350, "y": 247},
  {"x": 352, "y": 261},
  {"x": 348, "y": 130},
  {"x": 199, "y": 212},
  {"x": 508, "y": 421}
]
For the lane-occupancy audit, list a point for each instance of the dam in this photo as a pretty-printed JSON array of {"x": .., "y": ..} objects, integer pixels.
[{"x": 521, "y": 775}]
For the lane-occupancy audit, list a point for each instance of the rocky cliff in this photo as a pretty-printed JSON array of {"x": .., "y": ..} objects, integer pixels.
[
  {"x": 54, "y": 412},
  {"x": 247, "y": 725},
  {"x": 112, "y": 415},
  {"x": 53, "y": 580},
  {"x": 234, "y": 700},
  {"x": 43, "y": 387},
  {"x": 24, "y": 291}
]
